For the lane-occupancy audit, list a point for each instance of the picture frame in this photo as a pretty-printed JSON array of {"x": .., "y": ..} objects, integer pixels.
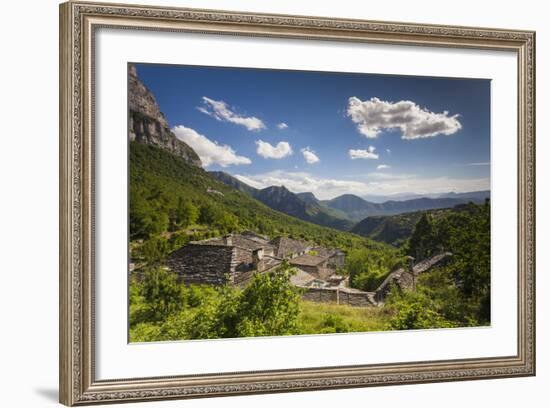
[{"x": 79, "y": 23}]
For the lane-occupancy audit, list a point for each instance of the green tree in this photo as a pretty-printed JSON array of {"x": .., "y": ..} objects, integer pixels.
[
  {"x": 415, "y": 310},
  {"x": 367, "y": 268},
  {"x": 186, "y": 213},
  {"x": 269, "y": 305},
  {"x": 145, "y": 218},
  {"x": 161, "y": 292},
  {"x": 226, "y": 222},
  {"x": 468, "y": 237},
  {"x": 422, "y": 242},
  {"x": 155, "y": 250},
  {"x": 208, "y": 214}
]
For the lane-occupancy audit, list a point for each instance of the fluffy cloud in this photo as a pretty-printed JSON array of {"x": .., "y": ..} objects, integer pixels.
[
  {"x": 310, "y": 156},
  {"x": 209, "y": 151},
  {"x": 373, "y": 183},
  {"x": 222, "y": 112},
  {"x": 282, "y": 125},
  {"x": 267, "y": 151},
  {"x": 363, "y": 154},
  {"x": 382, "y": 167},
  {"x": 374, "y": 115}
]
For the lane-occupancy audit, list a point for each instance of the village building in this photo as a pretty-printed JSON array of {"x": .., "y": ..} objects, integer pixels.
[
  {"x": 315, "y": 265},
  {"x": 235, "y": 258},
  {"x": 229, "y": 259},
  {"x": 404, "y": 279},
  {"x": 288, "y": 248}
]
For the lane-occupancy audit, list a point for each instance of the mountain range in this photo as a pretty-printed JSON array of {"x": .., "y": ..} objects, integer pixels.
[
  {"x": 344, "y": 211},
  {"x": 357, "y": 208},
  {"x": 474, "y": 195}
]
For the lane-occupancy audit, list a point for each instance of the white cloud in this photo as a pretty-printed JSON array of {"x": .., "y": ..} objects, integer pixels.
[
  {"x": 373, "y": 183},
  {"x": 381, "y": 175},
  {"x": 209, "y": 151},
  {"x": 382, "y": 167},
  {"x": 282, "y": 125},
  {"x": 363, "y": 154},
  {"x": 479, "y": 164},
  {"x": 374, "y": 115},
  {"x": 222, "y": 112},
  {"x": 310, "y": 156},
  {"x": 299, "y": 182},
  {"x": 267, "y": 151},
  {"x": 388, "y": 151}
]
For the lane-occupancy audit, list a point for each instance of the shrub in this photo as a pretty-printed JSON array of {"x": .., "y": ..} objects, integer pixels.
[
  {"x": 161, "y": 292},
  {"x": 155, "y": 249}
]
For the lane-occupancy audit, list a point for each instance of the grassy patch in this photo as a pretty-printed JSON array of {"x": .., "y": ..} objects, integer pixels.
[{"x": 316, "y": 318}]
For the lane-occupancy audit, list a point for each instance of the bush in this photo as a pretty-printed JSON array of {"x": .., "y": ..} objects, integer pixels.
[
  {"x": 269, "y": 305},
  {"x": 415, "y": 310},
  {"x": 155, "y": 250},
  {"x": 161, "y": 292},
  {"x": 368, "y": 268},
  {"x": 161, "y": 309},
  {"x": 333, "y": 323}
]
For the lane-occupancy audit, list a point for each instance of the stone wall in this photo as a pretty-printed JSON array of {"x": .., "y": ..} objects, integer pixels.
[
  {"x": 242, "y": 267},
  {"x": 202, "y": 264},
  {"x": 338, "y": 295},
  {"x": 337, "y": 260}
]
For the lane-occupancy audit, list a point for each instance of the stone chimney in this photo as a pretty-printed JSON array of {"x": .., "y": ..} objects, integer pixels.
[
  {"x": 228, "y": 240},
  {"x": 257, "y": 256}
]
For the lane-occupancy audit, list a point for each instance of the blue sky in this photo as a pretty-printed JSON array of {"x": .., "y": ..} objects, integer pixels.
[{"x": 330, "y": 133}]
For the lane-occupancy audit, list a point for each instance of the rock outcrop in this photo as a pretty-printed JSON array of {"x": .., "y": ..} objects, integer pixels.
[{"x": 147, "y": 123}]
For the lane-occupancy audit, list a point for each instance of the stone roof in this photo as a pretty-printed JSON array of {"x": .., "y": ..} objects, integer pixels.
[
  {"x": 209, "y": 241},
  {"x": 426, "y": 264},
  {"x": 256, "y": 237},
  {"x": 270, "y": 262},
  {"x": 288, "y": 246},
  {"x": 240, "y": 241},
  {"x": 301, "y": 278},
  {"x": 307, "y": 260}
]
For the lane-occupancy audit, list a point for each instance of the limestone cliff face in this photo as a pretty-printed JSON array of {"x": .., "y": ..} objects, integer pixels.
[{"x": 147, "y": 123}]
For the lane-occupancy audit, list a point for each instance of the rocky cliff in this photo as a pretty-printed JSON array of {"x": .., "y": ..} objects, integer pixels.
[{"x": 147, "y": 123}]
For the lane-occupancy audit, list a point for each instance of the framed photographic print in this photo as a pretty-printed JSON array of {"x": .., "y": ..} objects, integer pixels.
[{"x": 260, "y": 203}]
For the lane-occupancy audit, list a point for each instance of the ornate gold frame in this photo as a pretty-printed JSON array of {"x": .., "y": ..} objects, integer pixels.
[{"x": 78, "y": 22}]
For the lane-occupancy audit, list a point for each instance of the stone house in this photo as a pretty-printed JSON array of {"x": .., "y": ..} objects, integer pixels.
[
  {"x": 230, "y": 259},
  {"x": 235, "y": 258},
  {"x": 315, "y": 265},
  {"x": 288, "y": 248},
  {"x": 404, "y": 278},
  {"x": 336, "y": 257}
]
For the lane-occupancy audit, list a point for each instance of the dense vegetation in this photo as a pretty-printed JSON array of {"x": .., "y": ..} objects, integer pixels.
[
  {"x": 396, "y": 229},
  {"x": 457, "y": 294},
  {"x": 161, "y": 309}
]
